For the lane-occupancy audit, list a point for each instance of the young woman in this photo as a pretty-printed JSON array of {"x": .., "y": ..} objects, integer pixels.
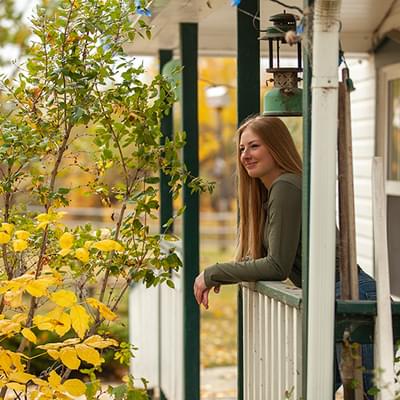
[{"x": 269, "y": 248}]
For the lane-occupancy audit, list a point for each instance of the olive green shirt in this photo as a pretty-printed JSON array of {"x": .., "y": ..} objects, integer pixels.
[{"x": 281, "y": 241}]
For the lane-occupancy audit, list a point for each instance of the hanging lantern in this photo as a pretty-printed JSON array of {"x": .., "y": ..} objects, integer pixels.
[{"x": 285, "y": 99}]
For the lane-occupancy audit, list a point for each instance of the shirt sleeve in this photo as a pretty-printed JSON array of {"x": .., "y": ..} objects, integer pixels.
[{"x": 283, "y": 237}]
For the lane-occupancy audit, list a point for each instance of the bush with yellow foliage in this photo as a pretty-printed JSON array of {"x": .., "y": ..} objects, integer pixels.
[{"x": 77, "y": 81}]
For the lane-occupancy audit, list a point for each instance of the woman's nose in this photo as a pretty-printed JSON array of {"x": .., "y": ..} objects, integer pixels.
[{"x": 245, "y": 153}]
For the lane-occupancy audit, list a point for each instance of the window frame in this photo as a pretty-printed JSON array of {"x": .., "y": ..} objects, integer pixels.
[{"x": 387, "y": 74}]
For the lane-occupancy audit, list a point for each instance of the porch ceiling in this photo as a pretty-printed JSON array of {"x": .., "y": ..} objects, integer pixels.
[{"x": 362, "y": 22}]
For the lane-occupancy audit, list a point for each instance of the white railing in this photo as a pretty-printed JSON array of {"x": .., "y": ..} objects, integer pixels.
[
  {"x": 272, "y": 341},
  {"x": 156, "y": 328}
]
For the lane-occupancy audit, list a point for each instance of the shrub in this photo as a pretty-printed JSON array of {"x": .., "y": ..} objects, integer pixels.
[{"x": 78, "y": 86}]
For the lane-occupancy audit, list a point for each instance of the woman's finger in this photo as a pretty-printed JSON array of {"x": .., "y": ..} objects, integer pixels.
[{"x": 204, "y": 299}]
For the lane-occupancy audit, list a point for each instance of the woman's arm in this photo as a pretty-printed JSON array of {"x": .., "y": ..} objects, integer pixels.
[{"x": 283, "y": 236}]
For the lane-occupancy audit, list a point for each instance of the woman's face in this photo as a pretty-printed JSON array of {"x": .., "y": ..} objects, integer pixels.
[{"x": 255, "y": 156}]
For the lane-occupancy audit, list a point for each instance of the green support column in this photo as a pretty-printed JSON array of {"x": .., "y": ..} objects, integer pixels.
[
  {"x": 166, "y": 207},
  {"x": 248, "y": 60},
  {"x": 191, "y": 314},
  {"x": 307, "y": 75},
  {"x": 248, "y": 103}
]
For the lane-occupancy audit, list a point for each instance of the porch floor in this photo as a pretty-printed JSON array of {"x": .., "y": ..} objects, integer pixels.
[{"x": 219, "y": 383}]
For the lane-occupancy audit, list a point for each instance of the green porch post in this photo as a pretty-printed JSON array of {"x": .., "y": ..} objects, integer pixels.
[
  {"x": 166, "y": 207},
  {"x": 191, "y": 314},
  {"x": 248, "y": 103}
]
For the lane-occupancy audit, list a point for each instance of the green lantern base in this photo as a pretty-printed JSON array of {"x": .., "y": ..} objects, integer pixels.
[{"x": 277, "y": 103}]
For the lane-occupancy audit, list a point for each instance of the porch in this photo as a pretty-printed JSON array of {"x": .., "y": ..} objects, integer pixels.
[{"x": 274, "y": 325}]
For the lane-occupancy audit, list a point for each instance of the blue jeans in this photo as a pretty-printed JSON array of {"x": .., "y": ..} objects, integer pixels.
[{"x": 367, "y": 291}]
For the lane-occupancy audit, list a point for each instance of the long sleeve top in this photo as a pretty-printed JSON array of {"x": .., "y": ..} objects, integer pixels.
[{"x": 281, "y": 241}]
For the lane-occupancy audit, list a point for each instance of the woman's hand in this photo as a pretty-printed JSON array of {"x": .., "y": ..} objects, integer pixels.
[{"x": 201, "y": 291}]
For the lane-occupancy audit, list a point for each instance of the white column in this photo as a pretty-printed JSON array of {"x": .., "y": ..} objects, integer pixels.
[{"x": 324, "y": 126}]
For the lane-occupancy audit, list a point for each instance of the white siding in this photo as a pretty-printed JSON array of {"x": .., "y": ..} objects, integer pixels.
[{"x": 363, "y": 100}]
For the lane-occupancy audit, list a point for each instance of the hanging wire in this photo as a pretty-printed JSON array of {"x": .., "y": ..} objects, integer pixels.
[
  {"x": 212, "y": 83},
  {"x": 288, "y": 6},
  {"x": 256, "y": 15}
]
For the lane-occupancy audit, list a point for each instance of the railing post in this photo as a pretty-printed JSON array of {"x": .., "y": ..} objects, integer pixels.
[
  {"x": 307, "y": 74},
  {"x": 191, "y": 314},
  {"x": 248, "y": 103}
]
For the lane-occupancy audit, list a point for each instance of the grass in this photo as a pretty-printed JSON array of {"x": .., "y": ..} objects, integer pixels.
[{"x": 218, "y": 338}]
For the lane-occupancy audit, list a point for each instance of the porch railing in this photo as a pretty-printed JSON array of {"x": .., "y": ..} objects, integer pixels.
[
  {"x": 272, "y": 341},
  {"x": 156, "y": 329}
]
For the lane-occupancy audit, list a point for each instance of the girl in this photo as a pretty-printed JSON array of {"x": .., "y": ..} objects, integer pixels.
[{"x": 269, "y": 248}]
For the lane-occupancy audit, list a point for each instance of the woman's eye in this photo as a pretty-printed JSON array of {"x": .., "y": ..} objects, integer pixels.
[{"x": 253, "y": 146}]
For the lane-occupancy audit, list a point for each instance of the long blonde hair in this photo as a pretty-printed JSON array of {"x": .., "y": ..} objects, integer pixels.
[{"x": 252, "y": 193}]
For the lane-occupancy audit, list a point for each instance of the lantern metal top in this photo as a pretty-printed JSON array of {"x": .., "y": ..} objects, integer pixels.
[{"x": 282, "y": 23}]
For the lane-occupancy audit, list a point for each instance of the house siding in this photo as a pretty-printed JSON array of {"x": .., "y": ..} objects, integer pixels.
[{"x": 363, "y": 100}]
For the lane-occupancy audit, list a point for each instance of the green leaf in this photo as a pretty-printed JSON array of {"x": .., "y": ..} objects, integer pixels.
[
  {"x": 152, "y": 180},
  {"x": 119, "y": 392},
  {"x": 171, "y": 284}
]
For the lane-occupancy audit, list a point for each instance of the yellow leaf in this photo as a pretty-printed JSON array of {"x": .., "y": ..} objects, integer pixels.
[
  {"x": 66, "y": 240},
  {"x": 13, "y": 298},
  {"x": 51, "y": 346},
  {"x": 19, "y": 245},
  {"x": 80, "y": 320},
  {"x": 74, "y": 387},
  {"x": 43, "y": 217},
  {"x": 21, "y": 377},
  {"x": 23, "y": 235},
  {"x": 54, "y": 379},
  {"x": 43, "y": 322},
  {"x": 63, "y": 324},
  {"x": 103, "y": 309},
  {"x": 64, "y": 298},
  {"x": 69, "y": 357},
  {"x": 107, "y": 313},
  {"x": 6, "y": 227},
  {"x": 7, "y": 327},
  {"x": 107, "y": 245},
  {"x": 88, "y": 354},
  {"x": 28, "y": 334},
  {"x": 60, "y": 215},
  {"x": 99, "y": 342},
  {"x": 4, "y": 238},
  {"x": 37, "y": 288},
  {"x": 5, "y": 361},
  {"x": 82, "y": 254},
  {"x": 20, "y": 318},
  {"x": 42, "y": 225},
  {"x": 64, "y": 252},
  {"x": 18, "y": 387},
  {"x": 16, "y": 359},
  {"x": 71, "y": 341},
  {"x": 88, "y": 244},
  {"x": 53, "y": 354},
  {"x": 39, "y": 382}
]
